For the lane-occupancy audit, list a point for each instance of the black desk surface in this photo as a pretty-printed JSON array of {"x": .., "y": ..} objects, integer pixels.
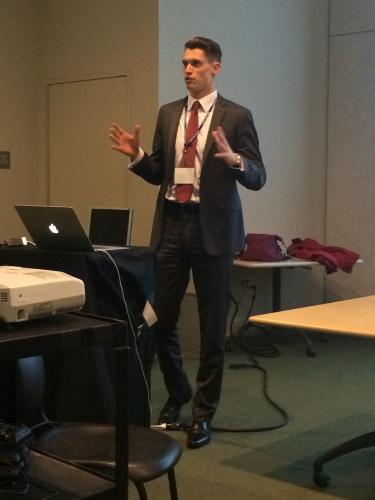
[
  {"x": 84, "y": 378},
  {"x": 62, "y": 332}
]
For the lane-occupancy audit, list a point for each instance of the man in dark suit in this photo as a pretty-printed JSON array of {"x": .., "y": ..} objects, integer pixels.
[{"x": 203, "y": 145}]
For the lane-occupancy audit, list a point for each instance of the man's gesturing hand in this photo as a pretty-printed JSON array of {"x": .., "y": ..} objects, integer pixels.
[
  {"x": 223, "y": 146},
  {"x": 122, "y": 141}
]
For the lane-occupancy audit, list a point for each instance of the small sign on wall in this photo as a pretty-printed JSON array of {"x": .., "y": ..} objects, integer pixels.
[{"x": 4, "y": 159}]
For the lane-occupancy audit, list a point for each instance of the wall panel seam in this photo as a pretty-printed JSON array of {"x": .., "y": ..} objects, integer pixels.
[{"x": 352, "y": 33}]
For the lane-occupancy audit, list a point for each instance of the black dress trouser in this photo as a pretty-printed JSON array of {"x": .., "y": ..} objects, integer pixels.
[{"x": 181, "y": 249}]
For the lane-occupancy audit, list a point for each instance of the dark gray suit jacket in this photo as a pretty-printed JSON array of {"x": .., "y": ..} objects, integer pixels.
[{"x": 220, "y": 205}]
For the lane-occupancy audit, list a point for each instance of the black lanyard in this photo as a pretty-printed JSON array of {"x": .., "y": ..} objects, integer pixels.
[{"x": 188, "y": 143}]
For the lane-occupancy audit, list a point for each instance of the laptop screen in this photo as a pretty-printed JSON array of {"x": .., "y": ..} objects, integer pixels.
[{"x": 111, "y": 226}]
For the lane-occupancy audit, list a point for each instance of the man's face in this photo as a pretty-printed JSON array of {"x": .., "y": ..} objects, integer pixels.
[{"x": 199, "y": 72}]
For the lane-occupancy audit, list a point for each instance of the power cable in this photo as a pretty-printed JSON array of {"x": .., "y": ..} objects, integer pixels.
[{"x": 254, "y": 364}]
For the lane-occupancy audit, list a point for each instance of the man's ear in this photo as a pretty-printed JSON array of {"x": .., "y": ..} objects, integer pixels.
[{"x": 216, "y": 66}]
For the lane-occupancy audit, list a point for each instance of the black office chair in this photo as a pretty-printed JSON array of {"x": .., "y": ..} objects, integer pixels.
[
  {"x": 321, "y": 478},
  {"x": 151, "y": 453}
]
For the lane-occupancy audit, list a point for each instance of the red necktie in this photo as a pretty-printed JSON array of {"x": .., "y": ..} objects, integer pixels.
[{"x": 184, "y": 191}]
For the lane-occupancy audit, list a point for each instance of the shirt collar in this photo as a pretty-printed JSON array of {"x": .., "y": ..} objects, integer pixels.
[{"x": 206, "y": 102}]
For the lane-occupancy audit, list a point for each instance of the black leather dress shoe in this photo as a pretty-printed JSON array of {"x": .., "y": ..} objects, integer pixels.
[
  {"x": 170, "y": 413},
  {"x": 200, "y": 434}
]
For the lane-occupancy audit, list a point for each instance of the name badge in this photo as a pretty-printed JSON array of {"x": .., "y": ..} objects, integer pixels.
[{"x": 184, "y": 175}]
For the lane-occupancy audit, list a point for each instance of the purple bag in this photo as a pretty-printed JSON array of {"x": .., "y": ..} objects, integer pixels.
[{"x": 263, "y": 247}]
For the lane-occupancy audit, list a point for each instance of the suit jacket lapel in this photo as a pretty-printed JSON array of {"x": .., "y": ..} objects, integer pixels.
[
  {"x": 217, "y": 118},
  {"x": 175, "y": 116}
]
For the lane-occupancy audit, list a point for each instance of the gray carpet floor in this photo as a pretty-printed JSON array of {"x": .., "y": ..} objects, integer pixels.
[{"x": 329, "y": 398}]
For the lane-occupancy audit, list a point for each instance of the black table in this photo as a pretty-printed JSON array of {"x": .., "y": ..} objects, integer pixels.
[
  {"x": 92, "y": 369},
  {"x": 64, "y": 333}
]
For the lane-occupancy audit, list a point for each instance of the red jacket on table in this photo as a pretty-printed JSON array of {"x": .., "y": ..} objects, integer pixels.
[{"x": 332, "y": 257}]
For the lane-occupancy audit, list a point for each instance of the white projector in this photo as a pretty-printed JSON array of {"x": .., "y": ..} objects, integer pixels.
[{"x": 33, "y": 293}]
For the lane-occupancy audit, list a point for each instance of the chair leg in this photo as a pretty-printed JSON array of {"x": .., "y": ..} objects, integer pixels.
[
  {"x": 321, "y": 478},
  {"x": 141, "y": 491},
  {"x": 172, "y": 484},
  {"x": 311, "y": 351},
  {"x": 357, "y": 443}
]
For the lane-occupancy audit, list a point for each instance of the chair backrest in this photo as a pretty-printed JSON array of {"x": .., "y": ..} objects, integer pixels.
[{"x": 30, "y": 389}]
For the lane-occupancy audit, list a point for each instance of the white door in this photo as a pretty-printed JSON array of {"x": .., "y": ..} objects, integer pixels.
[{"x": 83, "y": 170}]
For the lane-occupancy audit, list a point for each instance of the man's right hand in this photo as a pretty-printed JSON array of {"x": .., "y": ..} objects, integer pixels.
[{"x": 122, "y": 141}]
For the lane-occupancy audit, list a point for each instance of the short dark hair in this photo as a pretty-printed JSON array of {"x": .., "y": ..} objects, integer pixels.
[{"x": 211, "y": 49}]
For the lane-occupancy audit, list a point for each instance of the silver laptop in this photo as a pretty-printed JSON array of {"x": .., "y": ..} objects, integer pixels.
[
  {"x": 111, "y": 227},
  {"x": 58, "y": 228}
]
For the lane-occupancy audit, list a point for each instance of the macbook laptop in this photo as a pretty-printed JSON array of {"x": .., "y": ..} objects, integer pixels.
[
  {"x": 54, "y": 228},
  {"x": 111, "y": 227},
  {"x": 58, "y": 228}
]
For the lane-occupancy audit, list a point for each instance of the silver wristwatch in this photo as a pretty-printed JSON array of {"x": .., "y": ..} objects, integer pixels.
[{"x": 237, "y": 162}]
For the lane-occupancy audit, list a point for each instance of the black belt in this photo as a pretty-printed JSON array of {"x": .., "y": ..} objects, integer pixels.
[{"x": 175, "y": 208}]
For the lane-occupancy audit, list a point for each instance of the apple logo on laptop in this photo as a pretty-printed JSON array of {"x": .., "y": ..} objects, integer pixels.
[{"x": 53, "y": 229}]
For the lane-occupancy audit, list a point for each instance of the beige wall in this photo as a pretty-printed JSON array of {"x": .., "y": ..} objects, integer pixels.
[
  {"x": 19, "y": 81},
  {"x": 77, "y": 38},
  {"x": 351, "y": 178},
  {"x": 275, "y": 61}
]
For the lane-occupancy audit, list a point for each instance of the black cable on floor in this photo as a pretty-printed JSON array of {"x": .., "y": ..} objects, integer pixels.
[
  {"x": 254, "y": 364},
  {"x": 262, "y": 349}
]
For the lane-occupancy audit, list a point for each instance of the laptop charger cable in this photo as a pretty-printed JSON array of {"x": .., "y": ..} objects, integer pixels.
[{"x": 19, "y": 241}]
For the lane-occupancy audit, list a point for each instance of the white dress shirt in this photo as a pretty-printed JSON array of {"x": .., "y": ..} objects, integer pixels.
[{"x": 206, "y": 103}]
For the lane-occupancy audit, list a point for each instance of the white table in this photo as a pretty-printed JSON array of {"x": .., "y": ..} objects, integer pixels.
[
  {"x": 276, "y": 267},
  {"x": 346, "y": 317},
  {"x": 355, "y": 317}
]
